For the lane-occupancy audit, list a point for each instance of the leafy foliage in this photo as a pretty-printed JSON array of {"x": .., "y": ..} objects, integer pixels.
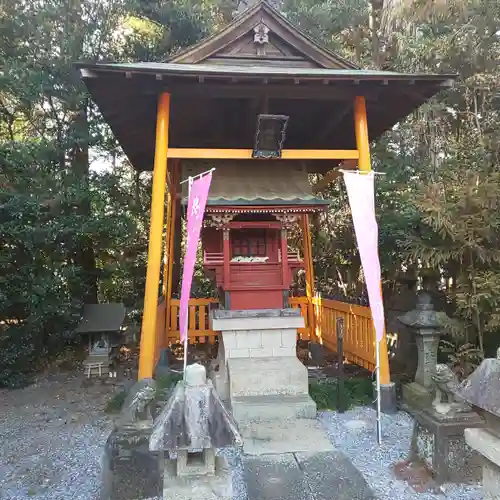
[{"x": 74, "y": 215}]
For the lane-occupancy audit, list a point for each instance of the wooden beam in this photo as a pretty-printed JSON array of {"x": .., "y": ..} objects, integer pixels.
[
  {"x": 246, "y": 154},
  {"x": 309, "y": 91},
  {"x": 330, "y": 126},
  {"x": 333, "y": 175}
]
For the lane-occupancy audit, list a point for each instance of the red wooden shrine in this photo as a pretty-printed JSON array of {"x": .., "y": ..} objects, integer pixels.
[{"x": 245, "y": 241}]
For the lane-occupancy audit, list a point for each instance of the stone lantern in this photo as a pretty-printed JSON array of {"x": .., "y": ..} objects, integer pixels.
[
  {"x": 191, "y": 426},
  {"x": 482, "y": 390},
  {"x": 426, "y": 323}
]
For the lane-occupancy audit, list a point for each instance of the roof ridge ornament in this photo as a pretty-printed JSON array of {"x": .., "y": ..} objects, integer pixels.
[
  {"x": 261, "y": 38},
  {"x": 261, "y": 33}
]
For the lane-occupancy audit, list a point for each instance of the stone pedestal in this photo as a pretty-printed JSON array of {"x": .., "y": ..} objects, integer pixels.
[
  {"x": 259, "y": 373},
  {"x": 438, "y": 441},
  {"x": 215, "y": 486},
  {"x": 388, "y": 397}
]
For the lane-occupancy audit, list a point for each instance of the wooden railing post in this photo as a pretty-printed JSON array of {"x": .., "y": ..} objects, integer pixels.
[
  {"x": 308, "y": 264},
  {"x": 171, "y": 244}
]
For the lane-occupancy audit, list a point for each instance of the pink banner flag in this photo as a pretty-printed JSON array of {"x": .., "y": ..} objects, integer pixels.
[
  {"x": 197, "y": 201},
  {"x": 361, "y": 193}
]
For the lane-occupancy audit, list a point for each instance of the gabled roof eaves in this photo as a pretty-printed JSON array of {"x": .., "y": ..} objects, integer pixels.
[{"x": 321, "y": 55}]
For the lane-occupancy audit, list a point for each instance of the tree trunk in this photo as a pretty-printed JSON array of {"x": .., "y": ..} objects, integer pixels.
[{"x": 84, "y": 256}]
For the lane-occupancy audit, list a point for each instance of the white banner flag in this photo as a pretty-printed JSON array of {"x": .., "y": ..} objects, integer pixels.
[{"x": 361, "y": 193}]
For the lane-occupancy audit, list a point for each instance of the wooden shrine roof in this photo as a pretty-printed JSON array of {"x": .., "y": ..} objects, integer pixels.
[
  {"x": 219, "y": 86},
  {"x": 287, "y": 45},
  {"x": 216, "y": 106},
  {"x": 99, "y": 318},
  {"x": 267, "y": 183}
]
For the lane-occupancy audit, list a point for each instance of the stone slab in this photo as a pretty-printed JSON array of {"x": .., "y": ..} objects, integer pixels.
[
  {"x": 273, "y": 407},
  {"x": 482, "y": 388},
  {"x": 301, "y": 435},
  {"x": 487, "y": 444},
  {"x": 274, "y": 477},
  {"x": 256, "y": 319},
  {"x": 439, "y": 441},
  {"x": 208, "y": 487},
  {"x": 331, "y": 475},
  {"x": 491, "y": 481},
  {"x": 304, "y": 476},
  {"x": 267, "y": 376}
]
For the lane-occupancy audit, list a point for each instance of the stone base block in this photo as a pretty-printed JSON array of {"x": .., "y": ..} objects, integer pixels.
[
  {"x": 267, "y": 376},
  {"x": 129, "y": 470},
  {"x": 304, "y": 476},
  {"x": 416, "y": 397},
  {"x": 266, "y": 408},
  {"x": 209, "y": 487},
  {"x": 439, "y": 441},
  {"x": 388, "y": 399},
  {"x": 284, "y": 436}
]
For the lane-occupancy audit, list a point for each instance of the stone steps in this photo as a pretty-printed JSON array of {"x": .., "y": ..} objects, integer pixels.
[
  {"x": 284, "y": 436},
  {"x": 272, "y": 407},
  {"x": 266, "y": 377}
]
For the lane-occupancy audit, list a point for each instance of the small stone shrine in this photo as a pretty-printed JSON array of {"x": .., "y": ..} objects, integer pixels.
[
  {"x": 426, "y": 323},
  {"x": 192, "y": 424},
  {"x": 101, "y": 325},
  {"x": 438, "y": 434},
  {"x": 482, "y": 390}
]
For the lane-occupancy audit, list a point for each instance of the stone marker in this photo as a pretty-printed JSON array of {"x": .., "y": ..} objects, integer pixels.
[
  {"x": 482, "y": 390},
  {"x": 192, "y": 424},
  {"x": 130, "y": 471},
  {"x": 426, "y": 323}
]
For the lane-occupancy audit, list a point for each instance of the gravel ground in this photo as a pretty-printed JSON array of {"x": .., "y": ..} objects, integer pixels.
[
  {"x": 354, "y": 432},
  {"x": 52, "y": 435}
]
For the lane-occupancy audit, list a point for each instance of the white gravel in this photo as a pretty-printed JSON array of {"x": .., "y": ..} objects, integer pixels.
[
  {"x": 354, "y": 432},
  {"x": 52, "y": 436}
]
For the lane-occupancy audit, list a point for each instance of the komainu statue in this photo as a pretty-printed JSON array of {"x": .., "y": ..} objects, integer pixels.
[{"x": 445, "y": 384}]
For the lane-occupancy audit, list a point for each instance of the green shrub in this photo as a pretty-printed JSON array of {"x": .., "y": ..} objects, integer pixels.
[{"x": 357, "y": 392}]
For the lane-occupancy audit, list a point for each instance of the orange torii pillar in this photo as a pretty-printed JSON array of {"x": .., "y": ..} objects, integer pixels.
[
  {"x": 148, "y": 331},
  {"x": 387, "y": 388}
]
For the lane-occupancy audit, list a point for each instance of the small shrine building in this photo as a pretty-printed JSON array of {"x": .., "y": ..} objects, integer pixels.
[{"x": 267, "y": 106}]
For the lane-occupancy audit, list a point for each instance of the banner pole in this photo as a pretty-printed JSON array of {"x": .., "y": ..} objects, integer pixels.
[
  {"x": 186, "y": 321},
  {"x": 377, "y": 390}
]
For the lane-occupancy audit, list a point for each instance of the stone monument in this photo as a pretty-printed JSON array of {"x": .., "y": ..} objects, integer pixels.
[
  {"x": 130, "y": 471},
  {"x": 482, "y": 390},
  {"x": 426, "y": 323},
  {"x": 192, "y": 424},
  {"x": 438, "y": 433}
]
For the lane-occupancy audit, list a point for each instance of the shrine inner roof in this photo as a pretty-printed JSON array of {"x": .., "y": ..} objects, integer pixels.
[{"x": 266, "y": 183}]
